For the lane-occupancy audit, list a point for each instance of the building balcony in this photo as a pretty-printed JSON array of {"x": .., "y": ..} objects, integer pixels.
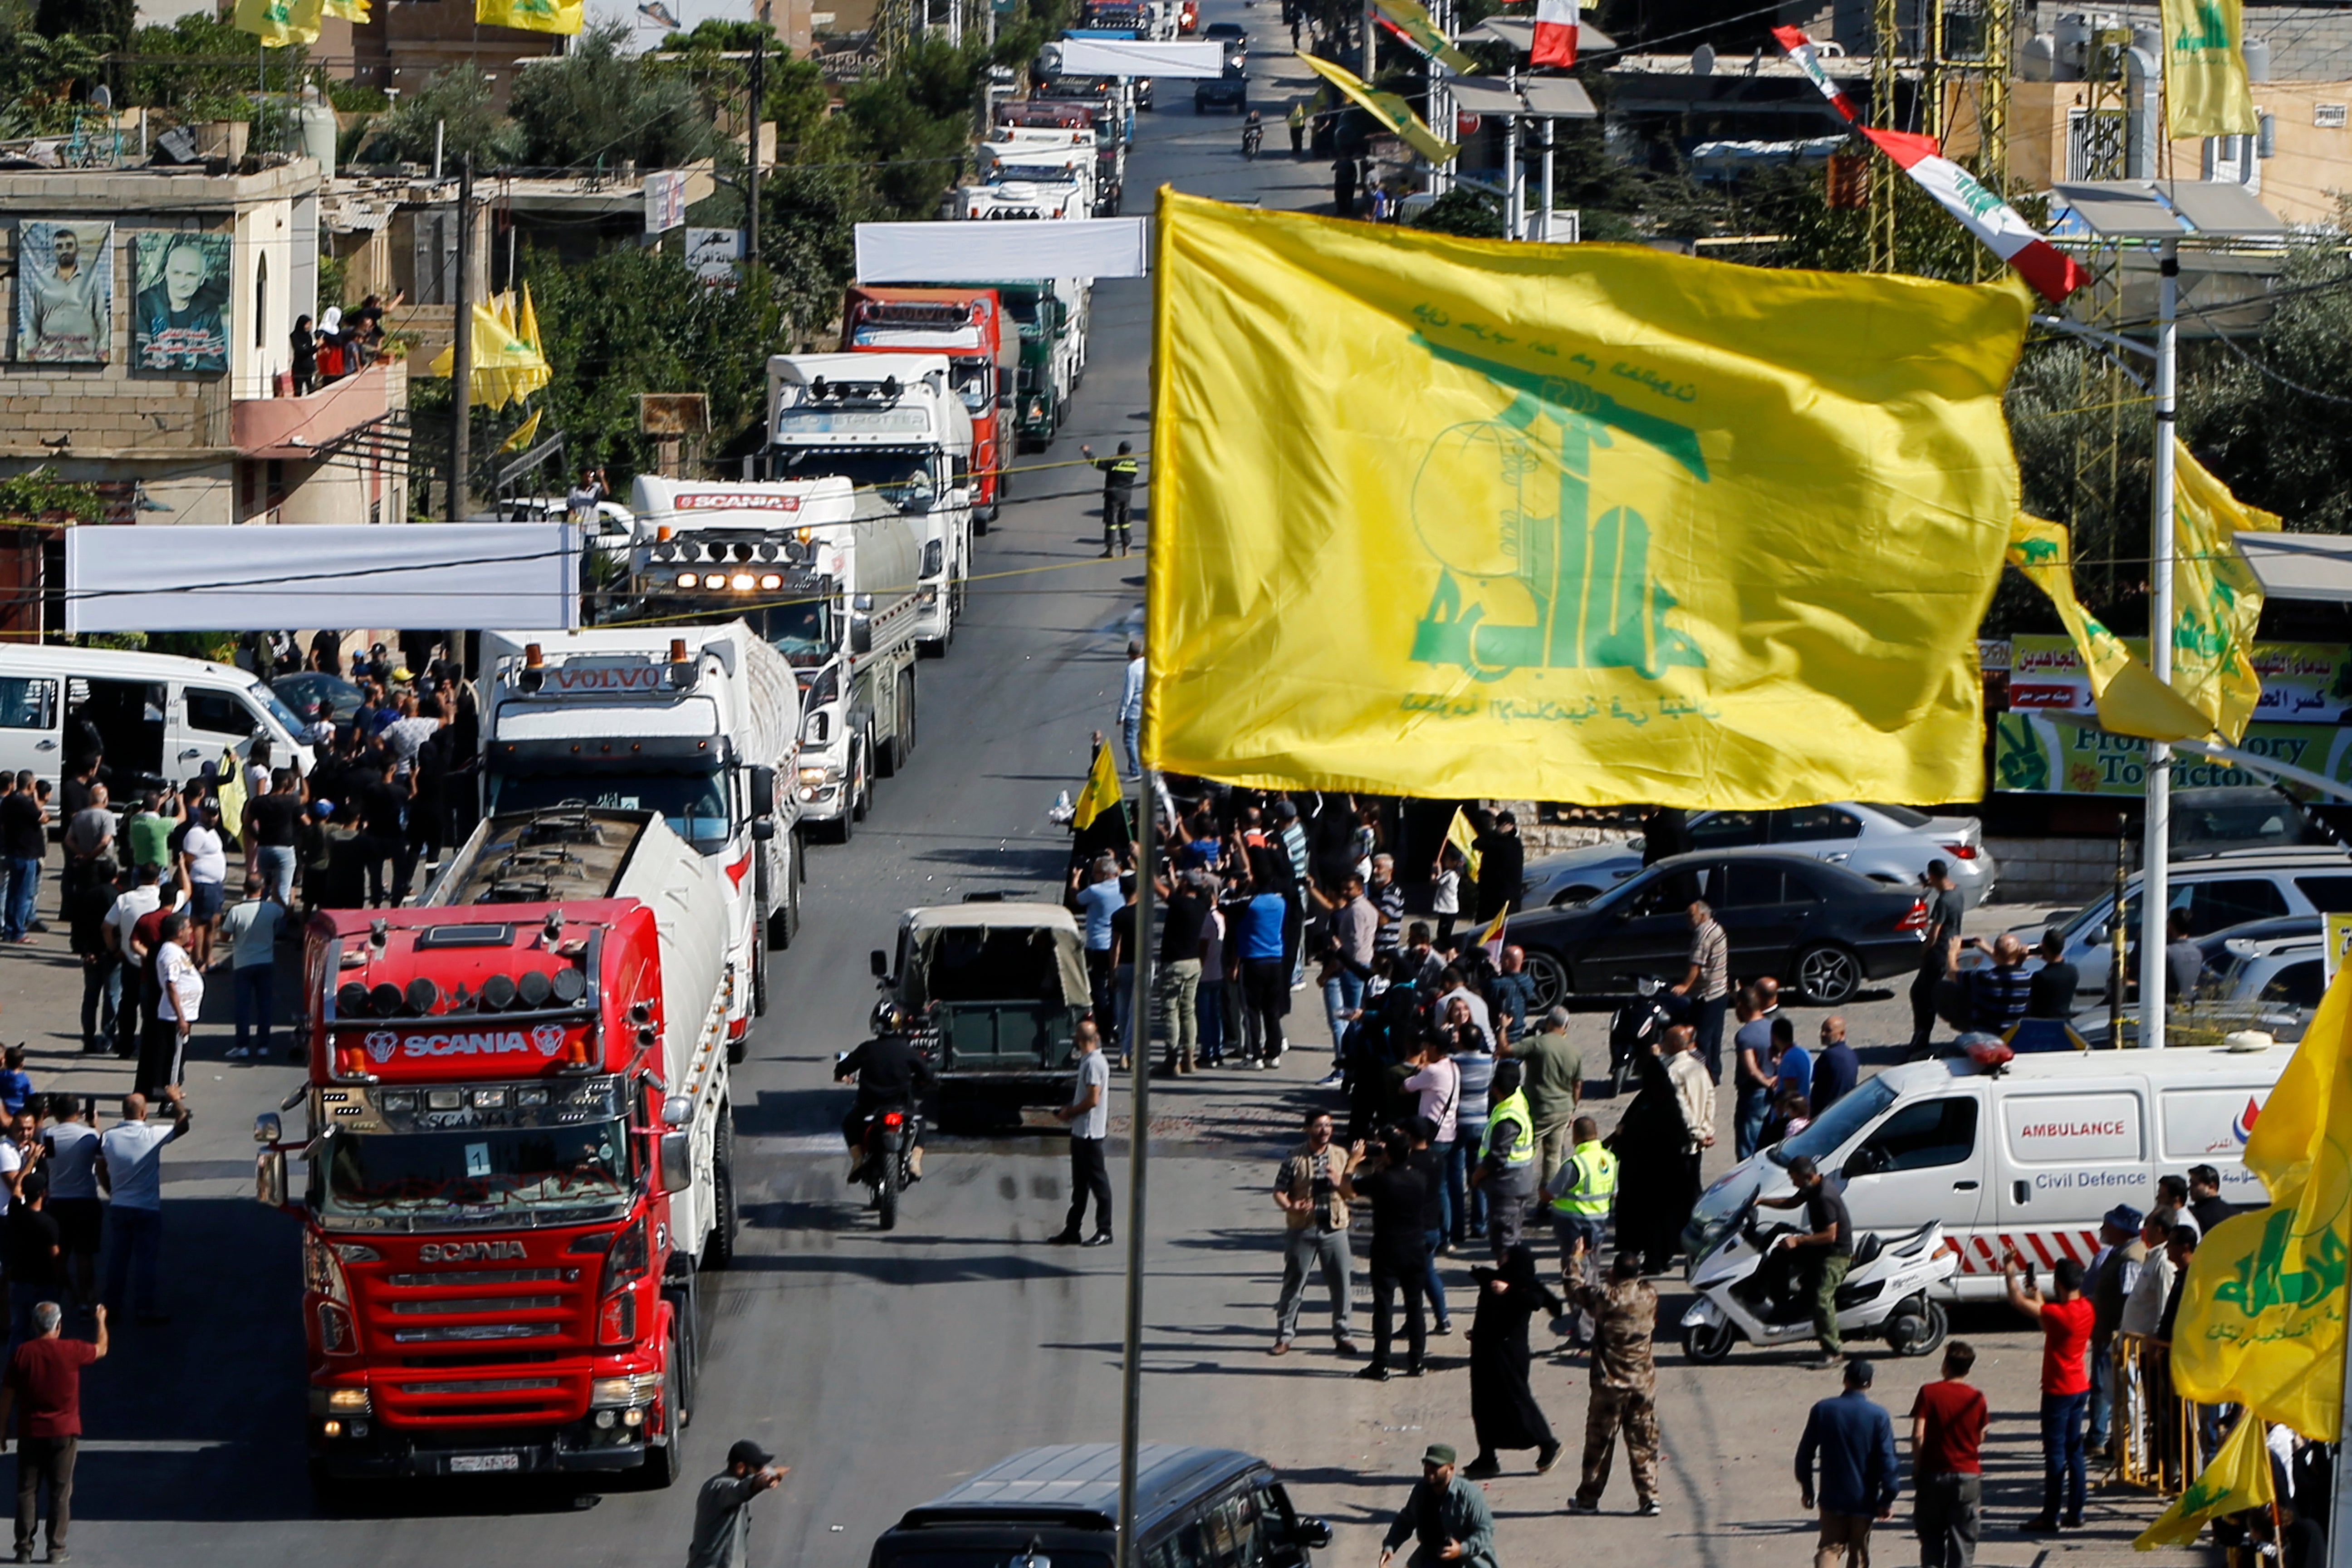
[{"x": 295, "y": 428}]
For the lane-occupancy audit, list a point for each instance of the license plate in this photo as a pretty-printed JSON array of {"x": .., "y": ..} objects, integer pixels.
[{"x": 481, "y": 1464}]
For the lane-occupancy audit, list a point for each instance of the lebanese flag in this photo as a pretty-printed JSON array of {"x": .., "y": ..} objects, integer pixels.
[
  {"x": 1801, "y": 49},
  {"x": 1555, "y": 42},
  {"x": 1993, "y": 221}
]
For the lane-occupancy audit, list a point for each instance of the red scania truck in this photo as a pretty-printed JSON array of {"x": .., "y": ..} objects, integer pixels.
[
  {"x": 518, "y": 1154},
  {"x": 968, "y": 325}
]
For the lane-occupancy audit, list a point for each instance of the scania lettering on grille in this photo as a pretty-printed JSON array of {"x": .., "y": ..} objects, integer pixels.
[
  {"x": 546, "y": 1039},
  {"x": 469, "y": 1251}
]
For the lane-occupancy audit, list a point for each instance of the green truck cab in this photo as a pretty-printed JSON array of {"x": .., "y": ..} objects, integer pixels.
[{"x": 991, "y": 994}]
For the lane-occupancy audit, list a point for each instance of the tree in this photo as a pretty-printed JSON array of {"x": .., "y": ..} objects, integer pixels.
[
  {"x": 1471, "y": 214},
  {"x": 455, "y": 102},
  {"x": 113, "y": 21},
  {"x": 183, "y": 79},
  {"x": 915, "y": 125},
  {"x": 600, "y": 105}
]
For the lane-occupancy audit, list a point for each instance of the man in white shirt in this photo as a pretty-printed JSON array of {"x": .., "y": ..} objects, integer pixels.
[
  {"x": 251, "y": 927},
  {"x": 144, "y": 899},
  {"x": 180, "y": 988},
  {"x": 203, "y": 860},
  {"x": 72, "y": 1161},
  {"x": 130, "y": 1170},
  {"x": 1130, "y": 706},
  {"x": 1088, "y": 1115}
]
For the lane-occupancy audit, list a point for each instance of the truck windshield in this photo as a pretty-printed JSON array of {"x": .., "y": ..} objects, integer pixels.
[
  {"x": 901, "y": 477},
  {"x": 975, "y": 383},
  {"x": 695, "y": 805},
  {"x": 445, "y": 1175}
]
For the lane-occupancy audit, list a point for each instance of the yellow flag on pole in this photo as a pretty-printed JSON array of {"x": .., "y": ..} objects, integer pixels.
[
  {"x": 531, "y": 16},
  {"x": 522, "y": 433},
  {"x": 2238, "y": 1478},
  {"x": 1102, "y": 791},
  {"x": 2131, "y": 700},
  {"x": 2262, "y": 1314},
  {"x": 1464, "y": 837},
  {"x": 1412, "y": 20},
  {"x": 2205, "y": 91},
  {"x": 2216, "y": 599},
  {"x": 1385, "y": 107},
  {"x": 1450, "y": 516},
  {"x": 349, "y": 10},
  {"x": 278, "y": 23}
]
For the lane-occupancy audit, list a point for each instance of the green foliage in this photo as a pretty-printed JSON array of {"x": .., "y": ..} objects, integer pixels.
[
  {"x": 632, "y": 322},
  {"x": 457, "y": 98},
  {"x": 37, "y": 494},
  {"x": 356, "y": 97},
  {"x": 184, "y": 77},
  {"x": 1474, "y": 215},
  {"x": 38, "y": 75},
  {"x": 97, "y": 20},
  {"x": 797, "y": 100},
  {"x": 2279, "y": 448},
  {"x": 600, "y": 105},
  {"x": 915, "y": 124}
]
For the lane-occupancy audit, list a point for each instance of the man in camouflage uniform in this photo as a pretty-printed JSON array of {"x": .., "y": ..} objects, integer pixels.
[{"x": 1624, "y": 1386}]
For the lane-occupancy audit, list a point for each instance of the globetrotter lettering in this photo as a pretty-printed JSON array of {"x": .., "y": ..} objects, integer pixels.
[
  {"x": 546, "y": 1039},
  {"x": 2116, "y": 1129}
]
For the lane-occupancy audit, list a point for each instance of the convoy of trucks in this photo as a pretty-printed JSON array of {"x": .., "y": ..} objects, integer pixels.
[
  {"x": 984, "y": 352},
  {"x": 519, "y": 1153}
]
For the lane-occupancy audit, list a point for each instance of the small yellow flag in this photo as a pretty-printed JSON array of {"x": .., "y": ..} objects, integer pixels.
[
  {"x": 2205, "y": 91},
  {"x": 1491, "y": 939},
  {"x": 522, "y": 433},
  {"x": 1460, "y": 518},
  {"x": 531, "y": 16},
  {"x": 2216, "y": 599},
  {"x": 354, "y": 11},
  {"x": 1102, "y": 791},
  {"x": 1385, "y": 107},
  {"x": 1412, "y": 20},
  {"x": 2238, "y": 1479},
  {"x": 1465, "y": 838},
  {"x": 2131, "y": 700},
  {"x": 278, "y": 23}
]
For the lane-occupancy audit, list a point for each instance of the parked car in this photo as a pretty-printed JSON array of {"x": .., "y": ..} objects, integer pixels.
[
  {"x": 1822, "y": 930},
  {"x": 1235, "y": 38},
  {"x": 616, "y": 526},
  {"x": 2245, "y": 817},
  {"x": 312, "y": 696},
  {"x": 1230, "y": 90},
  {"x": 2216, "y": 891},
  {"x": 1884, "y": 843},
  {"x": 2264, "y": 975}
]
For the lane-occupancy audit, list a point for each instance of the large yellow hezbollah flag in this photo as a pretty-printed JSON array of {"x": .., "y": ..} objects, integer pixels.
[
  {"x": 1448, "y": 517},
  {"x": 2216, "y": 600},
  {"x": 2262, "y": 1315},
  {"x": 278, "y": 23},
  {"x": 2205, "y": 91},
  {"x": 2130, "y": 698}
]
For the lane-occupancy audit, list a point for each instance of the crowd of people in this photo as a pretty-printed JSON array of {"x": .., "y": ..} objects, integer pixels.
[{"x": 339, "y": 343}]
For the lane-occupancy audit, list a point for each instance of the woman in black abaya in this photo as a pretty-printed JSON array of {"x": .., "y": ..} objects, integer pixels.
[{"x": 1502, "y": 1408}]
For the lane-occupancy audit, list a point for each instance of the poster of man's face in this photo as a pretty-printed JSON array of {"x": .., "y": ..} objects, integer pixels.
[
  {"x": 65, "y": 291},
  {"x": 181, "y": 319}
]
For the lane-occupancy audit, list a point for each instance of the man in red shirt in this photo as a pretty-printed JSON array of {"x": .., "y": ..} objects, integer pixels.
[
  {"x": 43, "y": 1385},
  {"x": 2065, "y": 1318},
  {"x": 1947, "y": 1428}
]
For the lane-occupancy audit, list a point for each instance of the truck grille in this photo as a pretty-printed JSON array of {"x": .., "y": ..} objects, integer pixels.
[
  {"x": 475, "y": 1278},
  {"x": 481, "y": 1385},
  {"x": 525, "y": 1332},
  {"x": 440, "y": 1306}
]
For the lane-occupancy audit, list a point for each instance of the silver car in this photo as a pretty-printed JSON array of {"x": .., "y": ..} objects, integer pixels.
[
  {"x": 1884, "y": 843},
  {"x": 2212, "y": 892}
]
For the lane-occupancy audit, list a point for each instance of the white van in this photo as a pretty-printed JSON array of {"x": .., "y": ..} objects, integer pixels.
[
  {"x": 2027, "y": 1160},
  {"x": 156, "y": 716}
]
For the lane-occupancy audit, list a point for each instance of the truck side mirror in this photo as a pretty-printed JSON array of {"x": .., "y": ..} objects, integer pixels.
[
  {"x": 1315, "y": 1533},
  {"x": 270, "y": 1178},
  {"x": 267, "y": 1130},
  {"x": 861, "y": 634},
  {"x": 676, "y": 1162},
  {"x": 763, "y": 792},
  {"x": 880, "y": 961},
  {"x": 934, "y": 558}
]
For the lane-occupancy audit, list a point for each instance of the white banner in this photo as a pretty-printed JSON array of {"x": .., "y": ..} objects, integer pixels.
[
  {"x": 1012, "y": 251},
  {"x": 1119, "y": 56},
  {"x": 454, "y": 576}
]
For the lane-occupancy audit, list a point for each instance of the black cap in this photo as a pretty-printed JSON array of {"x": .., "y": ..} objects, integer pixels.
[{"x": 747, "y": 1452}]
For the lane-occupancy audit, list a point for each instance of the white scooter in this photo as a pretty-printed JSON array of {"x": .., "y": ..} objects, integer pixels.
[{"x": 1747, "y": 1292}]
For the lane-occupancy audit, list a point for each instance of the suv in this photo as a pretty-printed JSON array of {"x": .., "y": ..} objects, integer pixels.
[
  {"x": 1230, "y": 90},
  {"x": 2243, "y": 817},
  {"x": 1235, "y": 39},
  {"x": 990, "y": 993},
  {"x": 1195, "y": 1508},
  {"x": 2218, "y": 891},
  {"x": 2266, "y": 974}
]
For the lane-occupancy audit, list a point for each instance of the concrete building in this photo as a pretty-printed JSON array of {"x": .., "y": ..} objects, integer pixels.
[{"x": 150, "y": 354}]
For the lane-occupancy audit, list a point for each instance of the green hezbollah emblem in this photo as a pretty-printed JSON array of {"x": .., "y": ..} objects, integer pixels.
[
  {"x": 1567, "y": 592},
  {"x": 2261, "y": 1281}
]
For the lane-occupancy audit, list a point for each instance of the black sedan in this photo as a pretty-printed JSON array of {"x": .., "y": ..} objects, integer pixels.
[
  {"x": 1818, "y": 928},
  {"x": 1230, "y": 90}
]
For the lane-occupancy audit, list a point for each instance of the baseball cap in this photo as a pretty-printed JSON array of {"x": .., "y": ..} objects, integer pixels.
[
  {"x": 2123, "y": 1217},
  {"x": 747, "y": 1452},
  {"x": 322, "y": 808},
  {"x": 1439, "y": 1454}
]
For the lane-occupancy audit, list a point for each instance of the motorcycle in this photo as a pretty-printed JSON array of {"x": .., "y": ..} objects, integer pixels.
[
  {"x": 1634, "y": 1028},
  {"x": 892, "y": 1139},
  {"x": 1748, "y": 1290},
  {"x": 1253, "y": 137}
]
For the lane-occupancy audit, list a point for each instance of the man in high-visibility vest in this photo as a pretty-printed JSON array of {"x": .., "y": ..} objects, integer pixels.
[
  {"x": 1582, "y": 1191},
  {"x": 1297, "y": 119},
  {"x": 1118, "y": 494},
  {"x": 1506, "y": 1167}
]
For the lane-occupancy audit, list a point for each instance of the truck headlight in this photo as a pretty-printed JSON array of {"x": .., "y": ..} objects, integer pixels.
[
  {"x": 639, "y": 1388},
  {"x": 340, "y": 1401},
  {"x": 817, "y": 775}
]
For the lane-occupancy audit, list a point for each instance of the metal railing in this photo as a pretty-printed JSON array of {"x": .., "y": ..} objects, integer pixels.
[{"x": 2161, "y": 1440}]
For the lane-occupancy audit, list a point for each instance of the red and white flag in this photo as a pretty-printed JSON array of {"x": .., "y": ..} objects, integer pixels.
[
  {"x": 1993, "y": 221},
  {"x": 1801, "y": 49},
  {"x": 1555, "y": 41}
]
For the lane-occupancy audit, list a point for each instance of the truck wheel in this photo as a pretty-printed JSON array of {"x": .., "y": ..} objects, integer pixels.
[
  {"x": 688, "y": 1337},
  {"x": 903, "y": 748},
  {"x": 759, "y": 980},
  {"x": 663, "y": 1463},
  {"x": 719, "y": 1247},
  {"x": 861, "y": 799},
  {"x": 784, "y": 920}
]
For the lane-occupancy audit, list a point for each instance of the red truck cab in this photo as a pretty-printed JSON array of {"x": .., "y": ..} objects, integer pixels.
[
  {"x": 503, "y": 1210},
  {"x": 984, "y": 354}
]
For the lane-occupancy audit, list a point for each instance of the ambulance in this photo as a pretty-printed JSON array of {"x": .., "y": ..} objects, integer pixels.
[{"x": 2019, "y": 1162}]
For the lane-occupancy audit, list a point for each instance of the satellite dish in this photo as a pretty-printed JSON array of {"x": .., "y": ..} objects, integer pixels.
[
  {"x": 102, "y": 97},
  {"x": 1703, "y": 60}
]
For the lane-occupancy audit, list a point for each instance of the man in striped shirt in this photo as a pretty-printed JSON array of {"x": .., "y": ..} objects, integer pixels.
[
  {"x": 1706, "y": 991},
  {"x": 1999, "y": 996}
]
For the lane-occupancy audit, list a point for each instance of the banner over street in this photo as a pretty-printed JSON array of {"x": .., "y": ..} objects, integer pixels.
[{"x": 1446, "y": 517}]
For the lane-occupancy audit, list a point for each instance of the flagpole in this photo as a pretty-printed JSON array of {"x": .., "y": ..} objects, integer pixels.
[
  {"x": 2155, "y": 889},
  {"x": 1139, "y": 1147},
  {"x": 461, "y": 353}
]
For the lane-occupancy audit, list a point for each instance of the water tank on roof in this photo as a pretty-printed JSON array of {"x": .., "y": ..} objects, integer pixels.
[
  {"x": 2258, "y": 59},
  {"x": 2037, "y": 59},
  {"x": 315, "y": 120}
]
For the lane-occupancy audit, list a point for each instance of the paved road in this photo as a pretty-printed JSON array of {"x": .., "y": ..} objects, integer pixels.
[{"x": 883, "y": 1368}]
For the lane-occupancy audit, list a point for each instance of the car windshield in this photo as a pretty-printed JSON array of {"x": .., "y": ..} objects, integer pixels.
[
  {"x": 477, "y": 1170},
  {"x": 694, "y": 805},
  {"x": 1840, "y": 1122},
  {"x": 278, "y": 710},
  {"x": 902, "y": 477}
]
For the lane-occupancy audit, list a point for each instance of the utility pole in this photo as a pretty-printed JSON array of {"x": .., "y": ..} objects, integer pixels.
[
  {"x": 759, "y": 108},
  {"x": 461, "y": 365},
  {"x": 2155, "y": 902}
]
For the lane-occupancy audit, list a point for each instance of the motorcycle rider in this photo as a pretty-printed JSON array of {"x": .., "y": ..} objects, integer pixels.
[
  {"x": 889, "y": 1072},
  {"x": 1253, "y": 134},
  {"x": 1825, "y": 1250}
]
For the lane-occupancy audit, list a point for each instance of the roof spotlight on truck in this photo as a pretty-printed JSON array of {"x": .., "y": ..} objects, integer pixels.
[{"x": 534, "y": 668}]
